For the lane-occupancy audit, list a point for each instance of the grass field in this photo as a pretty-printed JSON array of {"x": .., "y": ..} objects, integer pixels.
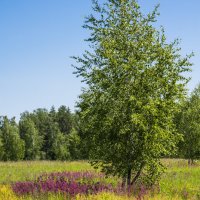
[
  {"x": 20, "y": 171},
  {"x": 179, "y": 182}
]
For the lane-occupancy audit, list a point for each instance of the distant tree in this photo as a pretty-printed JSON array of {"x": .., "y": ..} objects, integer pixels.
[
  {"x": 74, "y": 145},
  {"x": 13, "y": 146},
  {"x": 64, "y": 119},
  {"x": 188, "y": 123},
  {"x": 60, "y": 147},
  {"x": 51, "y": 135},
  {"x": 43, "y": 121},
  {"x": 2, "y": 152},
  {"x": 51, "y": 126},
  {"x": 1, "y": 148},
  {"x": 30, "y": 135},
  {"x": 134, "y": 79},
  {"x": 53, "y": 113}
]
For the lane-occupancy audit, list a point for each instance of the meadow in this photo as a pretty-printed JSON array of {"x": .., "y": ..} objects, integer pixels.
[{"x": 179, "y": 182}]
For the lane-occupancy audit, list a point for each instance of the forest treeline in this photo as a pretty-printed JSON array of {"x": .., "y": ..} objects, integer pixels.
[
  {"x": 41, "y": 135},
  {"x": 57, "y": 134}
]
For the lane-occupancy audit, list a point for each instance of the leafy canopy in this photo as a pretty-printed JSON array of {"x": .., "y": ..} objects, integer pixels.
[
  {"x": 188, "y": 123},
  {"x": 134, "y": 79}
]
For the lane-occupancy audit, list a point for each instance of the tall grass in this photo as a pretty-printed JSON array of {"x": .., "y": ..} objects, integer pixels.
[
  {"x": 181, "y": 179},
  {"x": 29, "y": 170},
  {"x": 179, "y": 182}
]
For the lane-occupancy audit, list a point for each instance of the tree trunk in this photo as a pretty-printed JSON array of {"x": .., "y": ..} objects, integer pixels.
[
  {"x": 129, "y": 177},
  {"x": 137, "y": 175}
]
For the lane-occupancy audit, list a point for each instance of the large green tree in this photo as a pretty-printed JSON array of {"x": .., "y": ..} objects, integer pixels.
[
  {"x": 188, "y": 123},
  {"x": 134, "y": 80}
]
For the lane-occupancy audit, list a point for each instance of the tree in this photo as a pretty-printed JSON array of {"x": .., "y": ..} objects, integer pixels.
[
  {"x": 1, "y": 148},
  {"x": 74, "y": 145},
  {"x": 51, "y": 136},
  {"x": 30, "y": 135},
  {"x": 134, "y": 79},
  {"x": 12, "y": 145},
  {"x": 53, "y": 113},
  {"x": 50, "y": 127},
  {"x": 79, "y": 139},
  {"x": 44, "y": 124},
  {"x": 188, "y": 123},
  {"x": 60, "y": 147},
  {"x": 64, "y": 120}
]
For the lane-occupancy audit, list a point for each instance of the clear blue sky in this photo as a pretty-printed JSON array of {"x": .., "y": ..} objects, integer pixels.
[{"x": 38, "y": 37}]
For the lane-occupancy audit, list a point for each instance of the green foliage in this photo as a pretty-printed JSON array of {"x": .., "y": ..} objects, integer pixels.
[
  {"x": 41, "y": 120},
  {"x": 50, "y": 135},
  {"x": 134, "y": 81},
  {"x": 1, "y": 148},
  {"x": 30, "y": 135},
  {"x": 64, "y": 119},
  {"x": 60, "y": 147},
  {"x": 81, "y": 138},
  {"x": 13, "y": 147},
  {"x": 188, "y": 123},
  {"x": 74, "y": 145},
  {"x": 42, "y": 134}
]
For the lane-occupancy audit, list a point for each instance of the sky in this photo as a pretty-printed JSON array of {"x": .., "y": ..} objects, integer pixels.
[{"x": 38, "y": 37}]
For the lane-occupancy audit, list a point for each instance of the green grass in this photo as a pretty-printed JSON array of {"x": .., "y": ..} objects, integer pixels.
[
  {"x": 20, "y": 171},
  {"x": 181, "y": 179},
  {"x": 179, "y": 182}
]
